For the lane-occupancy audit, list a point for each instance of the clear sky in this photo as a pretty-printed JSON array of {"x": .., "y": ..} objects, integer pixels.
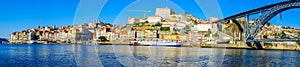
[{"x": 18, "y": 15}]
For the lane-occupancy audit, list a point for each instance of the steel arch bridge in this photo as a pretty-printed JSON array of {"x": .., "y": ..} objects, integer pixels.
[{"x": 266, "y": 14}]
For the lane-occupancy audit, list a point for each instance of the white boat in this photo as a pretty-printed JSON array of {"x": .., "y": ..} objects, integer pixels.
[
  {"x": 134, "y": 43},
  {"x": 171, "y": 44},
  {"x": 152, "y": 43},
  {"x": 31, "y": 42},
  {"x": 143, "y": 43},
  {"x": 146, "y": 43}
]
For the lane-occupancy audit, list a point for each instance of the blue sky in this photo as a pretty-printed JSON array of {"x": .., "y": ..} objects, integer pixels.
[{"x": 18, "y": 15}]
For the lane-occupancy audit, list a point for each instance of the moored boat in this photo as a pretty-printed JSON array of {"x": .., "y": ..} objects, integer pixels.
[
  {"x": 152, "y": 43},
  {"x": 170, "y": 44}
]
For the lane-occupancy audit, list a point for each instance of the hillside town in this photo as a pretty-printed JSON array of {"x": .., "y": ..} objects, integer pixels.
[{"x": 165, "y": 25}]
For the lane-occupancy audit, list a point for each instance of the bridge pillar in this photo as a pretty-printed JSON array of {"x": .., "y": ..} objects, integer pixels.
[
  {"x": 246, "y": 27},
  {"x": 249, "y": 44},
  {"x": 258, "y": 45}
]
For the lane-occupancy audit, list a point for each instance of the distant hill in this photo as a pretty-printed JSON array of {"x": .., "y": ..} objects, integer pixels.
[{"x": 3, "y": 40}]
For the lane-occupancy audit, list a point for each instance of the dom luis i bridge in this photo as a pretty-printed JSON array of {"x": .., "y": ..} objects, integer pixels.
[{"x": 265, "y": 13}]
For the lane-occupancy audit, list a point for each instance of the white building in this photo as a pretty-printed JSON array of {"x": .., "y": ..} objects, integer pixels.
[
  {"x": 83, "y": 34},
  {"x": 163, "y": 12},
  {"x": 168, "y": 24},
  {"x": 154, "y": 19},
  {"x": 142, "y": 19},
  {"x": 131, "y": 20},
  {"x": 180, "y": 25},
  {"x": 203, "y": 27}
]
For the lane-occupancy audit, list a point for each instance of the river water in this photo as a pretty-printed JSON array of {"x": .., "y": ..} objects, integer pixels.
[{"x": 141, "y": 56}]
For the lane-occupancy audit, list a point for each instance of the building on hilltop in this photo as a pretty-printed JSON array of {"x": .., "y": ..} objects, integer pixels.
[{"x": 163, "y": 12}]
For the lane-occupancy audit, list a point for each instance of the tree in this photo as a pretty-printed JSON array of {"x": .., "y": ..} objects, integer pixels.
[
  {"x": 298, "y": 43},
  {"x": 146, "y": 21},
  {"x": 283, "y": 35},
  {"x": 268, "y": 23},
  {"x": 143, "y": 23},
  {"x": 195, "y": 22},
  {"x": 165, "y": 29},
  {"x": 137, "y": 24},
  {"x": 277, "y": 35},
  {"x": 206, "y": 35},
  {"x": 158, "y": 24},
  {"x": 208, "y": 31},
  {"x": 102, "y": 38},
  {"x": 187, "y": 28},
  {"x": 216, "y": 35}
]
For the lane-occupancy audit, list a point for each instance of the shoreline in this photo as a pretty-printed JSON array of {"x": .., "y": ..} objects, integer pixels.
[
  {"x": 248, "y": 48},
  {"x": 206, "y": 46}
]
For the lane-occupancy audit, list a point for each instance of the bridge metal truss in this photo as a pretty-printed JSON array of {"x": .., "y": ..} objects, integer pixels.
[
  {"x": 256, "y": 27},
  {"x": 266, "y": 13}
]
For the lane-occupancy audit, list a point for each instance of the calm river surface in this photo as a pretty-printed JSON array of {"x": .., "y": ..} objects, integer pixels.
[{"x": 141, "y": 56}]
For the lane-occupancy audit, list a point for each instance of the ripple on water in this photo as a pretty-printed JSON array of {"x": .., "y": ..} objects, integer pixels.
[{"x": 69, "y": 55}]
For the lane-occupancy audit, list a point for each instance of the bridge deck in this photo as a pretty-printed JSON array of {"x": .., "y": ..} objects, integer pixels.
[{"x": 253, "y": 11}]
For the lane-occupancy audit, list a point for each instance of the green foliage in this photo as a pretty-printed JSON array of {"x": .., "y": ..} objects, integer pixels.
[
  {"x": 143, "y": 23},
  {"x": 195, "y": 22},
  {"x": 133, "y": 28},
  {"x": 268, "y": 23},
  {"x": 152, "y": 28},
  {"x": 189, "y": 19},
  {"x": 268, "y": 44},
  {"x": 165, "y": 28},
  {"x": 102, "y": 38},
  {"x": 209, "y": 32},
  {"x": 140, "y": 24},
  {"x": 158, "y": 24},
  {"x": 298, "y": 43},
  {"x": 206, "y": 35},
  {"x": 216, "y": 35},
  {"x": 276, "y": 35},
  {"x": 137, "y": 24},
  {"x": 97, "y": 25},
  {"x": 283, "y": 35},
  {"x": 146, "y": 22},
  {"x": 187, "y": 28}
]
